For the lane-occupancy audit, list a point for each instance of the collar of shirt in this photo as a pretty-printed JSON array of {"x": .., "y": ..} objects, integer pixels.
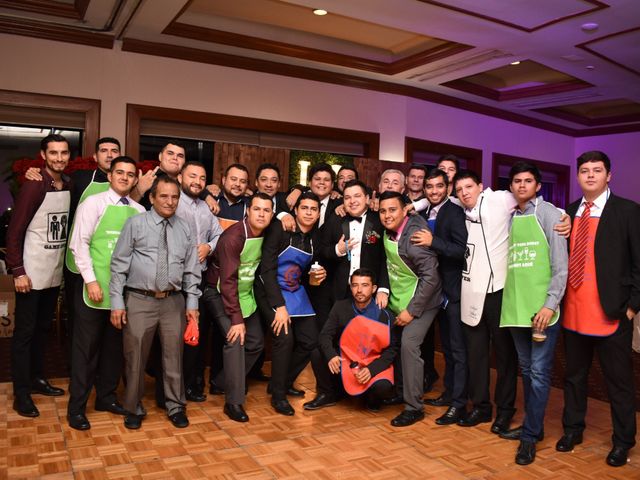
[
  {"x": 114, "y": 197},
  {"x": 100, "y": 176},
  {"x": 396, "y": 237},
  {"x": 222, "y": 196},
  {"x": 48, "y": 180},
  {"x": 473, "y": 214},
  {"x": 157, "y": 218},
  {"x": 324, "y": 202},
  {"x": 363, "y": 217},
  {"x": 184, "y": 198},
  {"x": 370, "y": 311},
  {"x": 598, "y": 203},
  {"x": 529, "y": 207},
  {"x": 433, "y": 211}
]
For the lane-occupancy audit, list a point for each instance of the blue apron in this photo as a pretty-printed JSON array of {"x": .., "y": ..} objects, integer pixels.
[{"x": 292, "y": 263}]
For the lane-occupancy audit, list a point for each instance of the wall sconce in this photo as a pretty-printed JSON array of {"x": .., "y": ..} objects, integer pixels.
[{"x": 304, "y": 170}]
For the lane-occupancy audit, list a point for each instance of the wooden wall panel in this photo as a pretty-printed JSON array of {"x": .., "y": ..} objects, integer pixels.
[
  {"x": 370, "y": 170},
  {"x": 251, "y": 156}
]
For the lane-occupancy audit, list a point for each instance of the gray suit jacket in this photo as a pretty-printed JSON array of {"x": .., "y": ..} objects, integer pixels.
[{"x": 424, "y": 263}]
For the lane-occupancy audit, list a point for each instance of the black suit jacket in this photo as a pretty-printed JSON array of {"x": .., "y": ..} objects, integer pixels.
[
  {"x": 372, "y": 255},
  {"x": 450, "y": 243},
  {"x": 281, "y": 203},
  {"x": 617, "y": 255}
]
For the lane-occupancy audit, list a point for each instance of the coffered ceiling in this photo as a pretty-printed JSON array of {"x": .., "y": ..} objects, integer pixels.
[{"x": 578, "y": 70}]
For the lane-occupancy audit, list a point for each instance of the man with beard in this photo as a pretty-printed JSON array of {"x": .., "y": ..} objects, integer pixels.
[
  {"x": 229, "y": 296},
  {"x": 34, "y": 258},
  {"x": 96, "y": 351},
  {"x": 205, "y": 232},
  {"x": 345, "y": 175},
  {"x": 350, "y": 243},
  {"x": 172, "y": 158},
  {"x": 232, "y": 198},
  {"x": 447, "y": 236},
  {"x": 416, "y": 296}
]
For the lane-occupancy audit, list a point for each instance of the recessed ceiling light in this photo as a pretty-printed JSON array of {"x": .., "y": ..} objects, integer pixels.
[
  {"x": 590, "y": 67},
  {"x": 589, "y": 27},
  {"x": 517, "y": 62},
  {"x": 320, "y": 12}
]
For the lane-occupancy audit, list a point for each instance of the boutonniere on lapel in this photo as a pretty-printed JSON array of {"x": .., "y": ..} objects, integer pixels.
[{"x": 371, "y": 237}]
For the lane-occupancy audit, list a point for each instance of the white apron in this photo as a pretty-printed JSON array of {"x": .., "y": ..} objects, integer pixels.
[{"x": 45, "y": 240}]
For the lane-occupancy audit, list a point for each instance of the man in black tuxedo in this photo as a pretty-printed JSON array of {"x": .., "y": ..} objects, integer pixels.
[
  {"x": 349, "y": 243},
  {"x": 602, "y": 297},
  {"x": 449, "y": 240}
]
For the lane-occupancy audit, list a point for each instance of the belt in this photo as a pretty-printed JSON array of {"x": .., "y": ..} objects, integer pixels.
[{"x": 151, "y": 293}]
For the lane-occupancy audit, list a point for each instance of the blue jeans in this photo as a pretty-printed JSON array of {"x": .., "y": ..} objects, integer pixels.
[{"x": 536, "y": 362}]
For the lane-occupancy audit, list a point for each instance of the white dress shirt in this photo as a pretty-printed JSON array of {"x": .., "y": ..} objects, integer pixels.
[
  {"x": 204, "y": 225},
  {"x": 86, "y": 221},
  {"x": 598, "y": 205}
]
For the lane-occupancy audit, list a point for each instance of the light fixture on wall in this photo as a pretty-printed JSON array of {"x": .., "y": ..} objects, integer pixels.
[
  {"x": 320, "y": 12},
  {"x": 515, "y": 62},
  {"x": 304, "y": 169}
]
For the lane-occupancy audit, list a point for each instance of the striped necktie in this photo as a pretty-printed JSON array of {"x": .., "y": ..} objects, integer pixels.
[
  {"x": 579, "y": 253},
  {"x": 162, "y": 267}
]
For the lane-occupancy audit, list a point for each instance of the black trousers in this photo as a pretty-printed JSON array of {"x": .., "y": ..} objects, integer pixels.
[
  {"x": 96, "y": 356},
  {"x": 194, "y": 361},
  {"x": 428, "y": 352},
  {"x": 71, "y": 282},
  {"x": 614, "y": 353},
  {"x": 34, "y": 313},
  {"x": 455, "y": 354},
  {"x": 479, "y": 339}
]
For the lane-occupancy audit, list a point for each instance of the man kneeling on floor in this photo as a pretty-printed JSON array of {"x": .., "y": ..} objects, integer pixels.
[{"x": 360, "y": 343}]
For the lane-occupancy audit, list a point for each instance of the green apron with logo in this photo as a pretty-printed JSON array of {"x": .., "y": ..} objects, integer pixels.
[
  {"x": 528, "y": 272},
  {"x": 92, "y": 189},
  {"x": 402, "y": 281},
  {"x": 249, "y": 260},
  {"x": 103, "y": 242}
]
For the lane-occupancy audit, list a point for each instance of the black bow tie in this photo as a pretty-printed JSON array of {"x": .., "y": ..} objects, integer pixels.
[{"x": 357, "y": 219}]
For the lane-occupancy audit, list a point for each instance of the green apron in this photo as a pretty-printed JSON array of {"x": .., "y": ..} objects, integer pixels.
[
  {"x": 528, "y": 272},
  {"x": 92, "y": 189},
  {"x": 101, "y": 248},
  {"x": 249, "y": 260},
  {"x": 402, "y": 281}
]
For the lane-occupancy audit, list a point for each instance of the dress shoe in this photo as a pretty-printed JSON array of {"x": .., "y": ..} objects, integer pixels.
[
  {"x": 441, "y": 401},
  {"x": 194, "y": 395},
  {"x": 395, "y": 400},
  {"x": 618, "y": 456},
  {"x": 259, "y": 376},
  {"x": 25, "y": 407},
  {"x": 373, "y": 405},
  {"x": 283, "y": 407},
  {"x": 516, "y": 433},
  {"x": 322, "y": 400},
  {"x": 133, "y": 421},
  {"x": 429, "y": 381},
  {"x": 179, "y": 419},
  {"x": 568, "y": 441},
  {"x": 113, "y": 407},
  {"x": 215, "y": 389},
  {"x": 294, "y": 392},
  {"x": 526, "y": 453},
  {"x": 41, "y": 386},
  {"x": 451, "y": 416},
  {"x": 407, "y": 417},
  {"x": 78, "y": 421},
  {"x": 474, "y": 418},
  {"x": 502, "y": 424},
  {"x": 235, "y": 412}
]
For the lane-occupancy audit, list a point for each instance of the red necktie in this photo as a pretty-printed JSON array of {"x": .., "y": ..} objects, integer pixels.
[{"x": 579, "y": 253}]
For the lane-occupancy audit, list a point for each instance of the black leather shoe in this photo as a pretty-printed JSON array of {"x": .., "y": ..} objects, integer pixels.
[
  {"x": 395, "y": 400},
  {"x": 441, "y": 401},
  {"x": 294, "y": 392},
  {"x": 235, "y": 412},
  {"x": 41, "y": 386},
  {"x": 215, "y": 389},
  {"x": 283, "y": 407},
  {"x": 322, "y": 400},
  {"x": 113, "y": 407},
  {"x": 373, "y": 405},
  {"x": 526, "y": 453},
  {"x": 194, "y": 395},
  {"x": 568, "y": 441},
  {"x": 78, "y": 421},
  {"x": 451, "y": 416},
  {"x": 618, "y": 456},
  {"x": 516, "y": 433},
  {"x": 179, "y": 419},
  {"x": 133, "y": 421},
  {"x": 429, "y": 381},
  {"x": 25, "y": 407},
  {"x": 474, "y": 418},
  {"x": 502, "y": 424},
  {"x": 407, "y": 417}
]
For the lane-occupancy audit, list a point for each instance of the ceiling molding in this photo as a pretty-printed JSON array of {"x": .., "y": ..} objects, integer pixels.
[
  {"x": 276, "y": 68},
  {"x": 44, "y": 7},
  {"x": 592, "y": 132},
  {"x": 586, "y": 47},
  {"x": 324, "y": 56},
  {"x": 67, "y": 34},
  {"x": 597, "y": 5},
  {"x": 515, "y": 94},
  {"x": 586, "y": 121}
]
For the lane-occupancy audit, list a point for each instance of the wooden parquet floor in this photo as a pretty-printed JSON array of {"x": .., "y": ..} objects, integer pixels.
[{"x": 343, "y": 442}]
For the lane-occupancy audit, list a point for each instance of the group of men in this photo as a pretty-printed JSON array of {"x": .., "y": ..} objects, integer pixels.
[{"x": 345, "y": 279}]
